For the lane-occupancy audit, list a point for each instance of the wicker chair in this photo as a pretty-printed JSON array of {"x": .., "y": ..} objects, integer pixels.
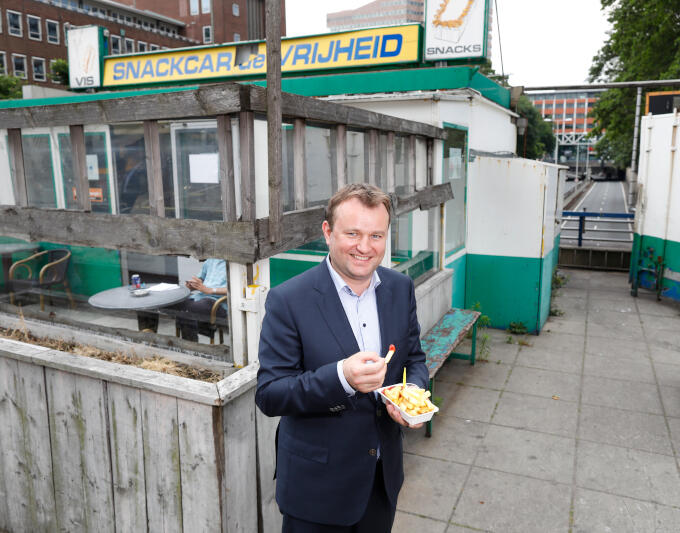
[{"x": 51, "y": 274}]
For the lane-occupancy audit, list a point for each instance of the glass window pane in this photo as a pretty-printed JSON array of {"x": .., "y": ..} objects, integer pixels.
[
  {"x": 455, "y": 171},
  {"x": 97, "y": 171},
  {"x": 400, "y": 164},
  {"x": 356, "y": 157},
  {"x": 127, "y": 145},
  {"x": 415, "y": 243},
  {"x": 318, "y": 165},
  {"x": 39, "y": 171},
  {"x": 288, "y": 173}
]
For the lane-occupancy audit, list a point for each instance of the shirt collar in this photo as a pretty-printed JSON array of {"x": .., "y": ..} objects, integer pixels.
[{"x": 341, "y": 284}]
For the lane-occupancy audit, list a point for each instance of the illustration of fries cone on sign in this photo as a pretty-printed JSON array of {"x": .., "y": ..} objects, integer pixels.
[{"x": 451, "y": 19}]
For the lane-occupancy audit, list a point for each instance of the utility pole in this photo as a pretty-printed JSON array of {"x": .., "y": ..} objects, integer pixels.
[{"x": 274, "y": 134}]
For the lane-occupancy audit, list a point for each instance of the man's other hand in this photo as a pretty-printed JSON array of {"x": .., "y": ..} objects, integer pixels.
[
  {"x": 364, "y": 371},
  {"x": 396, "y": 416}
]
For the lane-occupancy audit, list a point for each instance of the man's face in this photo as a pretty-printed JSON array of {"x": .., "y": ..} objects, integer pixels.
[{"x": 357, "y": 241}]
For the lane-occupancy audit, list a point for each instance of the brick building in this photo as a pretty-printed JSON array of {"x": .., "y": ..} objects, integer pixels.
[
  {"x": 33, "y": 32},
  {"x": 377, "y": 13}
]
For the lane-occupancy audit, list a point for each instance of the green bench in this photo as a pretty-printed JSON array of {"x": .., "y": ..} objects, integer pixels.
[{"x": 439, "y": 343}]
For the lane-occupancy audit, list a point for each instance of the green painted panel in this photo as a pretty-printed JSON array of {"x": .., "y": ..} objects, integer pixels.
[
  {"x": 458, "y": 284},
  {"x": 645, "y": 251},
  {"x": 506, "y": 288},
  {"x": 90, "y": 270},
  {"x": 281, "y": 270},
  {"x": 545, "y": 289}
]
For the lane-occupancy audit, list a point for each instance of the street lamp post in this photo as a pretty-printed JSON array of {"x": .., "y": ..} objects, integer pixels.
[{"x": 522, "y": 124}]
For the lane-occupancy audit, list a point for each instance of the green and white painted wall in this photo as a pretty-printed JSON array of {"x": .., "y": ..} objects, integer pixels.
[
  {"x": 512, "y": 239},
  {"x": 657, "y": 215}
]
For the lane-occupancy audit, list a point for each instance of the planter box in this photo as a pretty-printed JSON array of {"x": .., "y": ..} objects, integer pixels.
[{"x": 89, "y": 445}]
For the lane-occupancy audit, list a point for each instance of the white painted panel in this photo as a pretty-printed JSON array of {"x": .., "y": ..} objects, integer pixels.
[
  {"x": 673, "y": 229},
  {"x": 261, "y": 169},
  {"x": 6, "y": 190},
  {"x": 505, "y": 207}
]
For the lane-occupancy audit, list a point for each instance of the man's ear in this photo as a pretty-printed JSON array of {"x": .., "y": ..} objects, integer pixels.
[{"x": 326, "y": 228}]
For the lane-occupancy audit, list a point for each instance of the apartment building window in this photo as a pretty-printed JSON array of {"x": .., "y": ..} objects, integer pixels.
[
  {"x": 3, "y": 63},
  {"x": 237, "y": 37},
  {"x": 52, "y": 30},
  {"x": 153, "y": 47},
  {"x": 141, "y": 46},
  {"x": 14, "y": 23},
  {"x": 19, "y": 65},
  {"x": 115, "y": 45},
  {"x": 0, "y": 20},
  {"x": 66, "y": 27},
  {"x": 205, "y": 6},
  {"x": 38, "y": 64},
  {"x": 235, "y": 9},
  {"x": 129, "y": 46},
  {"x": 193, "y": 7},
  {"x": 207, "y": 34},
  {"x": 34, "y": 28}
]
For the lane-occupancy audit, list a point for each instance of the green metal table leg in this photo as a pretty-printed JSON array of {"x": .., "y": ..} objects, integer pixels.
[{"x": 428, "y": 425}]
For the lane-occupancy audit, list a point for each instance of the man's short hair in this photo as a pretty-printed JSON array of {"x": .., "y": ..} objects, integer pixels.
[{"x": 368, "y": 195}]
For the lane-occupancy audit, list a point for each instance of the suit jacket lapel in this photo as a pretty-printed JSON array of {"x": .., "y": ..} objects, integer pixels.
[
  {"x": 383, "y": 295},
  {"x": 333, "y": 313}
]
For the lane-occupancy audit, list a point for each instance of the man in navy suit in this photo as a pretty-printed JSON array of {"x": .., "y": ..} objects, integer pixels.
[{"x": 339, "y": 448}]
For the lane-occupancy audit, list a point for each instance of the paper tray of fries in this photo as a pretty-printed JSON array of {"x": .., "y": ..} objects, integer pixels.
[{"x": 413, "y": 402}]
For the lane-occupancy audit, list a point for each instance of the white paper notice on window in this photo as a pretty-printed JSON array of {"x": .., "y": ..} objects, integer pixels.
[
  {"x": 92, "y": 163},
  {"x": 203, "y": 168},
  {"x": 455, "y": 163}
]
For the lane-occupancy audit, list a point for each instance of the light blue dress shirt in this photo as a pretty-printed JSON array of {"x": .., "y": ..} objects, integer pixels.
[
  {"x": 214, "y": 275},
  {"x": 362, "y": 314}
]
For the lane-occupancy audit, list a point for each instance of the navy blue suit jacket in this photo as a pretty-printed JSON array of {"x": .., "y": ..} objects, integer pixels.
[{"x": 327, "y": 440}]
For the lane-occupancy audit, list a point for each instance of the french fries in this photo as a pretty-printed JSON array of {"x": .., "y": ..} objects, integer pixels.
[
  {"x": 410, "y": 399},
  {"x": 390, "y": 353}
]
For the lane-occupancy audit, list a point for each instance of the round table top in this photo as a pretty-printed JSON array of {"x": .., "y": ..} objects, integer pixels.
[
  {"x": 13, "y": 247},
  {"x": 123, "y": 298}
]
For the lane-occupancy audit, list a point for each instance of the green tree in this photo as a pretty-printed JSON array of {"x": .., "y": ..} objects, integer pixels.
[
  {"x": 644, "y": 44},
  {"x": 10, "y": 87},
  {"x": 59, "y": 72},
  {"x": 539, "y": 135}
]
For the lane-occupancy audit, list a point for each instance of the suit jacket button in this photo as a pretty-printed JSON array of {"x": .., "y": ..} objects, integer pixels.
[{"x": 372, "y": 451}]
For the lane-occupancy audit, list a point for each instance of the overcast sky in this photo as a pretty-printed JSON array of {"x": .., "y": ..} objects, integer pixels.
[{"x": 544, "y": 42}]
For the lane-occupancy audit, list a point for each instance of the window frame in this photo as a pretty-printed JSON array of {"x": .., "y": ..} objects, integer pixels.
[
  {"x": 28, "y": 27},
  {"x": 131, "y": 42},
  {"x": 33, "y": 60},
  {"x": 25, "y": 76},
  {"x": 47, "y": 31},
  {"x": 208, "y": 40},
  {"x": 9, "y": 12},
  {"x": 3, "y": 63},
  {"x": 206, "y": 6},
  {"x": 140, "y": 44},
  {"x": 153, "y": 47},
  {"x": 235, "y": 9},
  {"x": 113, "y": 37},
  {"x": 194, "y": 3}
]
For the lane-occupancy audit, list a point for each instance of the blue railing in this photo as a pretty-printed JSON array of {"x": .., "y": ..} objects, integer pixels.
[{"x": 583, "y": 215}]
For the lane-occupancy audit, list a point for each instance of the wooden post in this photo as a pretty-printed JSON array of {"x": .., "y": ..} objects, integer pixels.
[
  {"x": 247, "y": 141},
  {"x": 373, "y": 157},
  {"x": 154, "y": 176},
  {"x": 274, "y": 134},
  {"x": 389, "y": 162},
  {"x": 411, "y": 169},
  {"x": 430, "y": 161},
  {"x": 299, "y": 167},
  {"x": 80, "y": 167},
  {"x": 16, "y": 162},
  {"x": 341, "y": 155},
  {"x": 226, "y": 152}
]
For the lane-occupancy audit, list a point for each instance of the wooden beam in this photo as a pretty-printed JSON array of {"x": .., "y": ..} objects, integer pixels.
[
  {"x": 16, "y": 162},
  {"x": 234, "y": 241},
  {"x": 389, "y": 163},
  {"x": 225, "y": 149},
  {"x": 423, "y": 199},
  {"x": 204, "y": 101},
  {"x": 430, "y": 161},
  {"x": 373, "y": 169},
  {"x": 79, "y": 162},
  {"x": 154, "y": 176},
  {"x": 341, "y": 155},
  {"x": 247, "y": 141},
  {"x": 411, "y": 166},
  {"x": 299, "y": 166},
  {"x": 274, "y": 134},
  {"x": 299, "y": 227}
]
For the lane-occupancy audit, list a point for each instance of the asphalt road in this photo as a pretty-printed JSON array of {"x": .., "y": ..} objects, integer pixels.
[{"x": 603, "y": 197}]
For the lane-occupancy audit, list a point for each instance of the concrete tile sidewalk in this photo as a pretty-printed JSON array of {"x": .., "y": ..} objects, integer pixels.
[{"x": 574, "y": 430}]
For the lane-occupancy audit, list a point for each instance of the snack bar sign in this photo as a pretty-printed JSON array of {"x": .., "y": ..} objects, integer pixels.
[
  {"x": 456, "y": 29},
  {"x": 370, "y": 47}
]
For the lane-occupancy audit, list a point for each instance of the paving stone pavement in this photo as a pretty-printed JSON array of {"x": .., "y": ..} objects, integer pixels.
[{"x": 575, "y": 430}]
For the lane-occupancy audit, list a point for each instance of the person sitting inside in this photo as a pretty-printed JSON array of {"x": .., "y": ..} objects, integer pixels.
[{"x": 192, "y": 316}]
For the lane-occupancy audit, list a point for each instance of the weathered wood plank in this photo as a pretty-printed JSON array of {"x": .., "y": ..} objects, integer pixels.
[
  {"x": 274, "y": 133},
  {"x": 423, "y": 199},
  {"x": 247, "y": 142},
  {"x": 373, "y": 170},
  {"x": 299, "y": 164},
  {"x": 77, "y": 134},
  {"x": 127, "y": 457},
  {"x": 225, "y": 149},
  {"x": 26, "y": 486},
  {"x": 234, "y": 241},
  {"x": 203, "y": 101},
  {"x": 430, "y": 161},
  {"x": 162, "y": 469},
  {"x": 312, "y": 109},
  {"x": 17, "y": 169},
  {"x": 411, "y": 168},
  {"x": 238, "y": 383},
  {"x": 341, "y": 156},
  {"x": 240, "y": 497},
  {"x": 199, "y": 467},
  {"x": 82, "y": 466},
  {"x": 389, "y": 163},
  {"x": 154, "y": 177},
  {"x": 299, "y": 227},
  {"x": 266, "y": 457}
]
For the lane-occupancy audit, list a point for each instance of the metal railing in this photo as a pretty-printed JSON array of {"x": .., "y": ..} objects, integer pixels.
[{"x": 584, "y": 217}]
